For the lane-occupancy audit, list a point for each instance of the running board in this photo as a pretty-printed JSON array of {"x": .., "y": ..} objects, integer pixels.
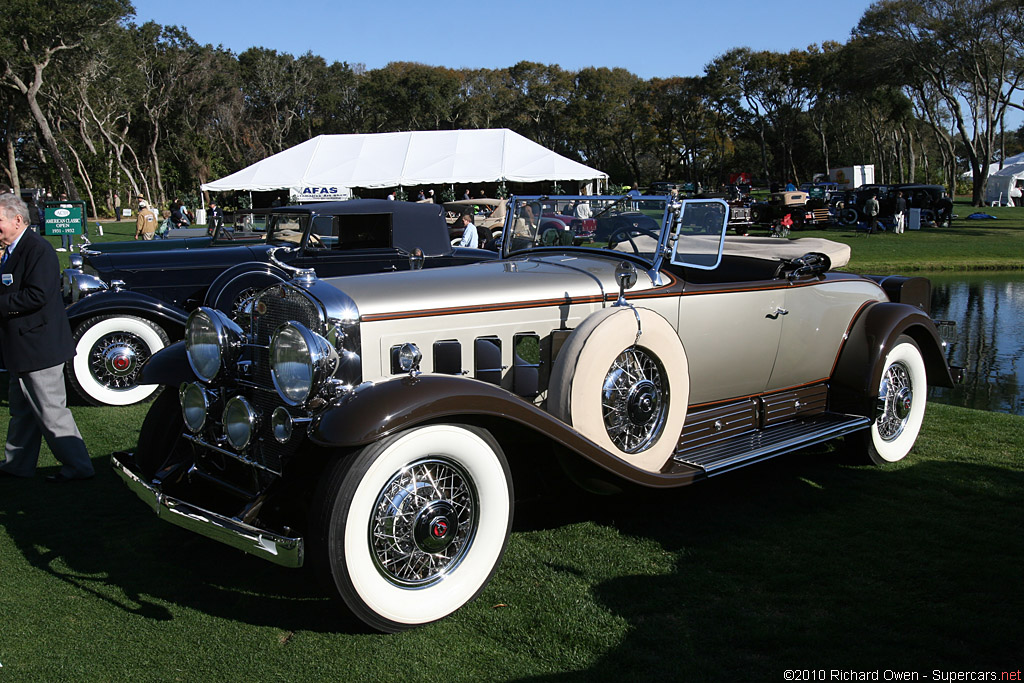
[{"x": 755, "y": 446}]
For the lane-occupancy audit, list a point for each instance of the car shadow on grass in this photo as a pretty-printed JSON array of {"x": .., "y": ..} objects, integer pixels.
[
  {"x": 808, "y": 563},
  {"x": 98, "y": 538}
]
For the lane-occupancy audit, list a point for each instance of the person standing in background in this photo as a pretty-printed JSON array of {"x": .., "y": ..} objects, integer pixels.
[
  {"x": 901, "y": 214},
  {"x": 146, "y": 223}
]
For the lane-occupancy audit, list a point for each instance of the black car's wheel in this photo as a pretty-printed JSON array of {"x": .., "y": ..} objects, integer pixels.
[
  {"x": 411, "y": 528},
  {"x": 110, "y": 351},
  {"x": 848, "y": 217},
  {"x": 900, "y": 407},
  {"x": 624, "y": 391},
  {"x": 160, "y": 437}
]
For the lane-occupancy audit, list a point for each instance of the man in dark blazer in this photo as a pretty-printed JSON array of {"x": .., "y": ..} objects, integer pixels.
[{"x": 35, "y": 342}]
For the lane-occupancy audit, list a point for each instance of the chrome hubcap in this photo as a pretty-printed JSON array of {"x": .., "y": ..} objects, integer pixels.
[
  {"x": 634, "y": 400},
  {"x": 423, "y": 522},
  {"x": 895, "y": 399},
  {"x": 115, "y": 359}
]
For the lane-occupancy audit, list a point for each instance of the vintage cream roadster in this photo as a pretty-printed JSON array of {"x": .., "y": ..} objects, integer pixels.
[{"x": 371, "y": 425}]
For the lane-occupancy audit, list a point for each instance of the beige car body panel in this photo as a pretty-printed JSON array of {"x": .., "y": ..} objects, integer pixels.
[{"x": 737, "y": 334}]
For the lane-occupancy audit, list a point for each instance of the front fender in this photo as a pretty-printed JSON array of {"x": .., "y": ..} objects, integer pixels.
[
  {"x": 375, "y": 411},
  {"x": 168, "y": 366},
  {"x": 240, "y": 277},
  {"x": 858, "y": 372},
  {"x": 126, "y": 301}
]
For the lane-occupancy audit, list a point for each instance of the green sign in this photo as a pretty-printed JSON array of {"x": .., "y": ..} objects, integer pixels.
[{"x": 63, "y": 218}]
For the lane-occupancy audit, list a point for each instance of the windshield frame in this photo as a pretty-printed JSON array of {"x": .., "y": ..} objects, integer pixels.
[{"x": 529, "y": 237}]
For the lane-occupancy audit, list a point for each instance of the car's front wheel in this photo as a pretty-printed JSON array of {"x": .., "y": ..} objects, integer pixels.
[
  {"x": 160, "y": 437},
  {"x": 411, "y": 528},
  {"x": 110, "y": 351}
]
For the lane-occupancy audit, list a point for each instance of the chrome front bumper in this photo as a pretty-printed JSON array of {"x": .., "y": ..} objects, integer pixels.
[{"x": 282, "y": 550}]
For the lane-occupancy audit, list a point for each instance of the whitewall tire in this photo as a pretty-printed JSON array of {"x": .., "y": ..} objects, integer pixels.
[
  {"x": 110, "y": 351},
  {"x": 412, "y": 527},
  {"x": 902, "y": 396},
  {"x": 626, "y": 394}
]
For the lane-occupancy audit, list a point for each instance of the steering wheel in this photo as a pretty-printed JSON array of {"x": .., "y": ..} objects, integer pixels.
[
  {"x": 315, "y": 241},
  {"x": 629, "y": 232}
]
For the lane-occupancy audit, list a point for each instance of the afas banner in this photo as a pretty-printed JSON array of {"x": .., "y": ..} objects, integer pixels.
[{"x": 320, "y": 194}]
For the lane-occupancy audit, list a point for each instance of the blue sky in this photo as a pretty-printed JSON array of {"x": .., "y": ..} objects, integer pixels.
[{"x": 651, "y": 38}]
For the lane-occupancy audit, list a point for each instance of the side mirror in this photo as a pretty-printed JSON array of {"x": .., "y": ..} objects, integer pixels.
[{"x": 625, "y": 275}]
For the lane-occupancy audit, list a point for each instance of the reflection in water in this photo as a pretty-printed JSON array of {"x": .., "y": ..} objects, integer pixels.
[{"x": 989, "y": 311}]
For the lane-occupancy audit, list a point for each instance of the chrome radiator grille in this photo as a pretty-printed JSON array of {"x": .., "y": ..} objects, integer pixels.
[{"x": 275, "y": 307}]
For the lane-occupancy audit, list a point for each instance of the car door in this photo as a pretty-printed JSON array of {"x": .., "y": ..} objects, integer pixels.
[
  {"x": 817, "y": 315},
  {"x": 730, "y": 330},
  {"x": 731, "y": 339}
]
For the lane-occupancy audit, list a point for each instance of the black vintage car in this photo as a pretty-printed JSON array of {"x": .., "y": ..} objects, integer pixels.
[
  {"x": 125, "y": 304},
  {"x": 935, "y": 205}
]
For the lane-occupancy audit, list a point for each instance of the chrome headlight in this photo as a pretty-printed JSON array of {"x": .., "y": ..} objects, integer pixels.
[
  {"x": 77, "y": 285},
  {"x": 194, "y": 406},
  {"x": 300, "y": 362},
  {"x": 212, "y": 341},
  {"x": 239, "y": 422}
]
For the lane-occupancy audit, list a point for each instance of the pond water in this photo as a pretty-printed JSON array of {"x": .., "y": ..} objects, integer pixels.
[{"x": 989, "y": 312}]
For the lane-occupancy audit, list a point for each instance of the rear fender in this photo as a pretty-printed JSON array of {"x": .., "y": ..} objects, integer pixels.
[{"x": 858, "y": 372}]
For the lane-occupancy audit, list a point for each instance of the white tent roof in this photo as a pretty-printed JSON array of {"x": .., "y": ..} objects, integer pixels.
[{"x": 411, "y": 158}]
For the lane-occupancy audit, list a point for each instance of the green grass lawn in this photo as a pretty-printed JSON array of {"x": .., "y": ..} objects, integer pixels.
[
  {"x": 801, "y": 562},
  {"x": 966, "y": 245}
]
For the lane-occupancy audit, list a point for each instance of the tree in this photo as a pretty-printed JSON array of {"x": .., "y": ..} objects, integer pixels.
[
  {"x": 962, "y": 53},
  {"x": 38, "y": 34}
]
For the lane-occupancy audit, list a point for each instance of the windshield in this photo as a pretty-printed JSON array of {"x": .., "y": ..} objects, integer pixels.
[
  {"x": 628, "y": 224},
  {"x": 286, "y": 227}
]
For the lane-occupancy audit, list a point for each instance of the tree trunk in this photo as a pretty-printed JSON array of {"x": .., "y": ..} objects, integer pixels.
[
  {"x": 30, "y": 91},
  {"x": 12, "y": 164}
]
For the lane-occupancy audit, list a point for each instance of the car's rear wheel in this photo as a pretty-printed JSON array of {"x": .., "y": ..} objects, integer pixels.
[
  {"x": 848, "y": 217},
  {"x": 411, "y": 528},
  {"x": 624, "y": 391},
  {"x": 110, "y": 351},
  {"x": 902, "y": 395}
]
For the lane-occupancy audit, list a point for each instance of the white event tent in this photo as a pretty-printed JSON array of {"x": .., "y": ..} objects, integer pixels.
[
  {"x": 1004, "y": 184},
  {"x": 328, "y": 166}
]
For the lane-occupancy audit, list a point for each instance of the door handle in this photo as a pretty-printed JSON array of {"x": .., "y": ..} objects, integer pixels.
[{"x": 777, "y": 313}]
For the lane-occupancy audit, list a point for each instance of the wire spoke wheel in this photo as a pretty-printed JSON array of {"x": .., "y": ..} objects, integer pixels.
[
  {"x": 423, "y": 522},
  {"x": 897, "y": 393},
  {"x": 115, "y": 359},
  {"x": 634, "y": 399},
  {"x": 110, "y": 351}
]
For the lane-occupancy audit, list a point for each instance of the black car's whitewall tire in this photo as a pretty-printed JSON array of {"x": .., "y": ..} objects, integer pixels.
[
  {"x": 901, "y": 403},
  {"x": 110, "y": 351},
  {"x": 635, "y": 413},
  {"x": 412, "y": 527}
]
